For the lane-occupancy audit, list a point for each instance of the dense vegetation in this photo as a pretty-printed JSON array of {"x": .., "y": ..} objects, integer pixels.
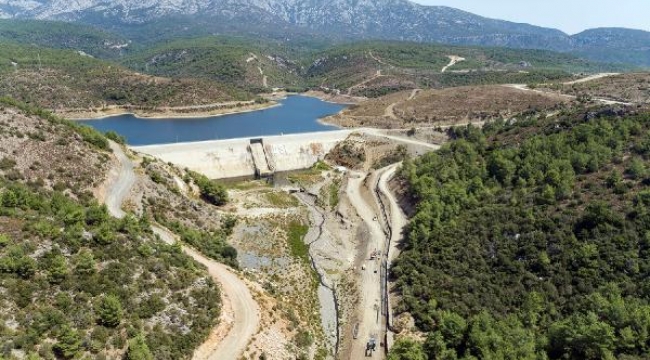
[
  {"x": 240, "y": 61},
  {"x": 531, "y": 241},
  {"x": 344, "y": 65},
  {"x": 63, "y": 35},
  {"x": 72, "y": 274},
  {"x": 230, "y": 60},
  {"x": 57, "y": 79},
  {"x": 213, "y": 69}
]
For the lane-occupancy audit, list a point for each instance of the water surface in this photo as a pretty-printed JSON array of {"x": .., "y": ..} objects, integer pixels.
[{"x": 296, "y": 114}]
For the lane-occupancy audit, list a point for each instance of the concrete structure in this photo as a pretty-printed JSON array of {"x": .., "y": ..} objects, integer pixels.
[
  {"x": 245, "y": 157},
  {"x": 262, "y": 167}
]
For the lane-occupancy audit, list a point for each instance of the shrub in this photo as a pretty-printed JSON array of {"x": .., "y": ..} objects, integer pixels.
[{"x": 109, "y": 311}]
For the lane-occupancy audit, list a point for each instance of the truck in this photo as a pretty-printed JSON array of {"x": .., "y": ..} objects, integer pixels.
[{"x": 371, "y": 345}]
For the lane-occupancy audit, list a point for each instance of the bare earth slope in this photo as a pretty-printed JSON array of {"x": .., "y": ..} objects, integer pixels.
[
  {"x": 445, "y": 107},
  {"x": 634, "y": 88}
]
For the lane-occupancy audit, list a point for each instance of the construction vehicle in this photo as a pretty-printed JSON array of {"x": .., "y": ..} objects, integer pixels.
[{"x": 371, "y": 346}]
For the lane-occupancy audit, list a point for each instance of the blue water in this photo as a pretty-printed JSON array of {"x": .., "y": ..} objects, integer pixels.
[{"x": 297, "y": 114}]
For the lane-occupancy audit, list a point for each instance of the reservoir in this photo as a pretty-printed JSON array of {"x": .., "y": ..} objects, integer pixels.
[{"x": 296, "y": 114}]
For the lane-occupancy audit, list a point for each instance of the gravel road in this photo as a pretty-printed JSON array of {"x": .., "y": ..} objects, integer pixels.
[
  {"x": 246, "y": 312},
  {"x": 121, "y": 184}
]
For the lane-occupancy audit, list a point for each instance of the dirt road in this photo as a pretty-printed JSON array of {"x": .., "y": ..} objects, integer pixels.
[
  {"x": 399, "y": 139},
  {"x": 396, "y": 217},
  {"x": 413, "y": 94},
  {"x": 364, "y": 82},
  {"x": 453, "y": 60},
  {"x": 370, "y": 320},
  {"x": 373, "y": 284},
  {"x": 524, "y": 87},
  {"x": 245, "y": 311},
  {"x": 121, "y": 182},
  {"x": 265, "y": 79},
  {"x": 590, "y": 78},
  {"x": 390, "y": 109}
]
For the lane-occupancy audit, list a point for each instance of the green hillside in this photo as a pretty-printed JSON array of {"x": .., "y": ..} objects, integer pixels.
[
  {"x": 243, "y": 62},
  {"x": 75, "y": 282},
  {"x": 238, "y": 62},
  {"x": 55, "y": 79},
  {"x": 61, "y": 35},
  {"x": 409, "y": 65},
  {"x": 531, "y": 241}
]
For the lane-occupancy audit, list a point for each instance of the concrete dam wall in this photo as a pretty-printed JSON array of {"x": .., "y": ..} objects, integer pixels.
[{"x": 223, "y": 159}]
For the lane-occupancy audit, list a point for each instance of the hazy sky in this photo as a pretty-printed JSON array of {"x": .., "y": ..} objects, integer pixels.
[{"x": 571, "y": 16}]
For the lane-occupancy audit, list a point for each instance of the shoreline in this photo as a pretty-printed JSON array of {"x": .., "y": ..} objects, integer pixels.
[
  {"x": 337, "y": 126},
  {"x": 153, "y": 115},
  {"x": 274, "y": 101},
  {"x": 334, "y": 99}
]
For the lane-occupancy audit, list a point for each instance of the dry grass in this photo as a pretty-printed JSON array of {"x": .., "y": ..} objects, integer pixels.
[
  {"x": 446, "y": 107},
  {"x": 624, "y": 87},
  {"x": 376, "y": 107},
  {"x": 473, "y": 103},
  {"x": 35, "y": 150}
]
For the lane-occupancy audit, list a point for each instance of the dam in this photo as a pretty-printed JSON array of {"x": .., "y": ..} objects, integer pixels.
[{"x": 246, "y": 157}]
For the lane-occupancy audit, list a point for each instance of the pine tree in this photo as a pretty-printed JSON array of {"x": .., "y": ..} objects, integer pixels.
[{"x": 110, "y": 311}]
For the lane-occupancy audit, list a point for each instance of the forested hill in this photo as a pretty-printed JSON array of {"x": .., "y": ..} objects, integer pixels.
[
  {"x": 76, "y": 283},
  {"x": 532, "y": 240}
]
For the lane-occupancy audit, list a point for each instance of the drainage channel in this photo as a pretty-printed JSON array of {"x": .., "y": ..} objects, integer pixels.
[{"x": 321, "y": 276}]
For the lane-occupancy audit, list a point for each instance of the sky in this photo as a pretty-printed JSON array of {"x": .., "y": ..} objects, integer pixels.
[{"x": 570, "y": 16}]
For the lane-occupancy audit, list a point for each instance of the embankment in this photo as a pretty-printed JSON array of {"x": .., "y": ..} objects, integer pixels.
[{"x": 223, "y": 159}]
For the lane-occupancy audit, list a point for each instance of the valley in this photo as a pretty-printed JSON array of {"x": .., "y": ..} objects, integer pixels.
[{"x": 208, "y": 179}]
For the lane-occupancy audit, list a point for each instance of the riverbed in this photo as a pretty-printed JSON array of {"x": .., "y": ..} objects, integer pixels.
[{"x": 295, "y": 114}]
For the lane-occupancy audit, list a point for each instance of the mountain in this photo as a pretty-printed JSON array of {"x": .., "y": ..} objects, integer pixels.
[
  {"x": 62, "y": 35},
  {"x": 359, "y": 18},
  {"x": 336, "y": 19},
  {"x": 614, "y": 45}
]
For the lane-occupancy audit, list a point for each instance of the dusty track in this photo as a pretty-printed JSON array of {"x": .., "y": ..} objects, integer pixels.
[
  {"x": 524, "y": 87},
  {"x": 590, "y": 78},
  {"x": 404, "y": 140},
  {"x": 390, "y": 109},
  {"x": 453, "y": 60},
  {"x": 121, "y": 183},
  {"x": 377, "y": 75},
  {"x": 373, "y": 285},
  {"x": 237, "y": 296},
  {"x": 396, "y": 217},
  {"x": 368, "y": 311}
]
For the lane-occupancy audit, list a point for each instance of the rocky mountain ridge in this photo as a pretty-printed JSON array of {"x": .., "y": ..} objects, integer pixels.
[{"x": 344, "y": 19}]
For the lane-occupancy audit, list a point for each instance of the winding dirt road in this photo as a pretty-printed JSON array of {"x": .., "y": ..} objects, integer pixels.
[
  {"x": 364, "y": 82},
  {"x": 453, "y": 60},
  {"x": 524, "y": 87},
  {"x": 121, "y": 182},
  {"x": 229, "y": 339},
  {"x": 399, "y": 139},
  {"x": 591, "y": 78},
  {"x": 396, "y": 217}
]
